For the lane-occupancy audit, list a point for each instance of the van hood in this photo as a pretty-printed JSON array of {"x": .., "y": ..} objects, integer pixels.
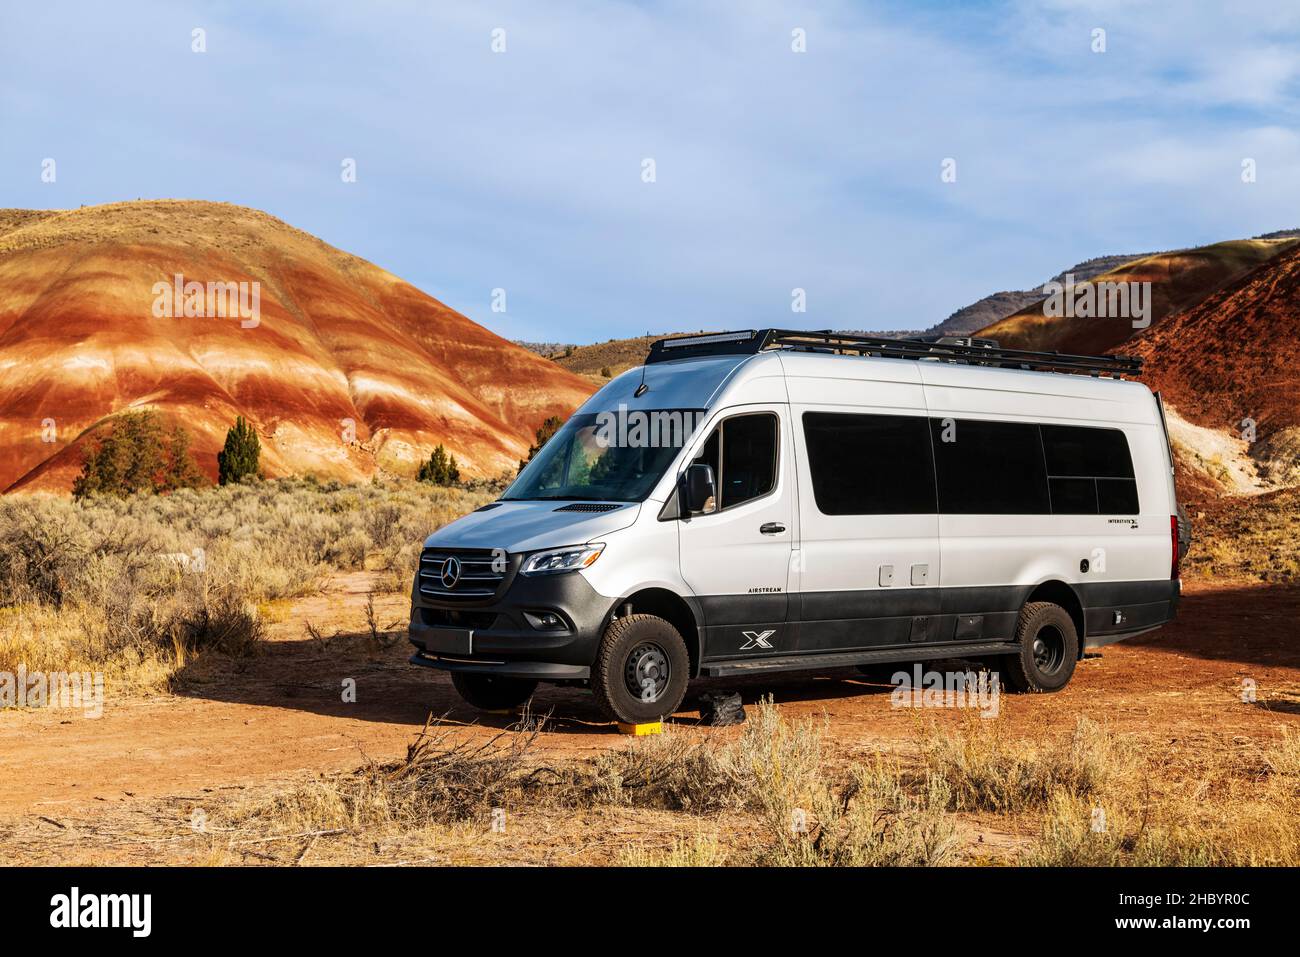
[{"x": 527, "y": 526}]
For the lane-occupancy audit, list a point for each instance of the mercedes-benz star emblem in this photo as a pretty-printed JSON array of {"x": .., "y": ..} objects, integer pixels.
[{"x": 450, "y": 572}]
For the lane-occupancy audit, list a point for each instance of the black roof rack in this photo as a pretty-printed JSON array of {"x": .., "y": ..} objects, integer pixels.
[
  {"x": 744, "y": 342},
  {"x": 960, "y": 349}
]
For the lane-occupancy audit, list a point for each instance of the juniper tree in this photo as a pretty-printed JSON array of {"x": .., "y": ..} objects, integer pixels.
[
  {"x": 240, "y": 455},
  {"x": 441, "y": 469},
  {"x": 542, "y": 436},
  {"x": 135, "y": 455}
]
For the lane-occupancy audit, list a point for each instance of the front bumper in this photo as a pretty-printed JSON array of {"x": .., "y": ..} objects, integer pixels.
[
  {"x": 494, "y": 636},
  {"x": 534, "y": 670}
]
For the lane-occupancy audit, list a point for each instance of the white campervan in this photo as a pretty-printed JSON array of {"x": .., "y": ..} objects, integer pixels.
[{"x": 776, "y": 501}]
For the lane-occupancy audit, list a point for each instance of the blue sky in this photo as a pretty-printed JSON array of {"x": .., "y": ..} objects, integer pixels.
[{"x": 819, "y": 170}]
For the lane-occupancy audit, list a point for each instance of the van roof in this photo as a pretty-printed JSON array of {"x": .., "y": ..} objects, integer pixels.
[
  {"x": 953, "y": 349},
  {"x": 696, "y": 374}
]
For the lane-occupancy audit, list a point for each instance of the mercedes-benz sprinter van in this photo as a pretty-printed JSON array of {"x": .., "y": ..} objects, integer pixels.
[{"x": 768, "y": 501}]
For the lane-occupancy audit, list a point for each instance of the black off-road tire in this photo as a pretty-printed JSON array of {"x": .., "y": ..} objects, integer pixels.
[
  {"x": 493, "y": 693},
  {"x": 636, "y": 651},
  {"x": 1049, "y": 650}
]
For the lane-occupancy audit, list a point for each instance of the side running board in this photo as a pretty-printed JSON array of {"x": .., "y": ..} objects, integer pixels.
[{"x": 847, "y": 659}]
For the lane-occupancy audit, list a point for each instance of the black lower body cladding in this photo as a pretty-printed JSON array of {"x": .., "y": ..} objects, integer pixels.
[
  {"x": 740, "y": 626},
  {"x": 502, "y": 635},
  {"x": 549, "y": 627}
]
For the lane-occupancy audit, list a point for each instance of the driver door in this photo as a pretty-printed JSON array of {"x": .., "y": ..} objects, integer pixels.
[{"x": 736, "y": 555}]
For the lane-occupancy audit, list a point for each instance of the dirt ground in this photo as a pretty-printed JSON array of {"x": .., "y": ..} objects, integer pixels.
[{"x": 118, "y": 788}]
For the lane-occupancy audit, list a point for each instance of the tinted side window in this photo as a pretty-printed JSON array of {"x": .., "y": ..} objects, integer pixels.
[
  {"x": 989, "y": 468},
  {"x": 1117, "y": 496},
  {"x": 869, "y": 464},
  {"x": 1097, "y": 453},
  {"x": 1073, "y": 496},
  {"x": 748, "y": 458},
  {"x": 709, "y": 454},
  {"x": 1091, "y": 471},
  {"x": 747, "y": 469}
]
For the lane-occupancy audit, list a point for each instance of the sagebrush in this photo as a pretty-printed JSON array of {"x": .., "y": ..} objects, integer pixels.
[{"x": 134, "y": 585}]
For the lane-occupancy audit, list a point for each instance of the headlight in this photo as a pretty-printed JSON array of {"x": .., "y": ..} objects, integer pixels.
[{"x": 562, "y": 559}]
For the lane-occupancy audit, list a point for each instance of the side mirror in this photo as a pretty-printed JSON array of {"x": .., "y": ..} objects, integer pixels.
[{"x": 700, "y": 492}]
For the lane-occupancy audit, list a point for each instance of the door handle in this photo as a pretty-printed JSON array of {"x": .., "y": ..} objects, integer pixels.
[{"x": 771, "y": 528}]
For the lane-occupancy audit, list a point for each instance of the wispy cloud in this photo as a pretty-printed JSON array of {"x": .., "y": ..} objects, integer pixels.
[{"x": 522, "y": 170}]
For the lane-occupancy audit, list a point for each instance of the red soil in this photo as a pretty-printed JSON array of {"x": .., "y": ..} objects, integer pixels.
[
  {"x": 339, "y": 340},
  {"x": 1234, "y": 354},
  {"x": 232, "y": 724}
]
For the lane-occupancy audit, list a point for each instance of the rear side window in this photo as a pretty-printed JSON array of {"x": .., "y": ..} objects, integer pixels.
[
  {"x": 989, "y": 468},
  {"x": 869, "y": 464},
  {"x": 1090, "y": 471},
  {"x": 1074, "y": 450},
  {"x": 891, "y": 465},
  {"x": 742, "y": 454}
]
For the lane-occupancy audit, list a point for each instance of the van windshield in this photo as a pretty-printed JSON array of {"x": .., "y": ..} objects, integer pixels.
[{"x": 593, "y": 458}]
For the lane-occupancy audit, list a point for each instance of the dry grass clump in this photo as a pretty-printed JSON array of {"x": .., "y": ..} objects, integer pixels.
[
  {"x": 1282, "y": 763},
  {"x": 1079, "y": 833},
  {"x": 1095, "y": 801},
  {"x": 137, "y": 639},
  {"x": 134, "y": 587},
  {"x": 699, "y": 851},
  {"x": 443, "y": 778},
  {"x": 984, "y": 771},
  {"x": 677, "y": 771},
  {"x": 870, "y": 820},
  {"x": 770, "y": 794},
  {"x": 1247, "y": 538},
  {"x": 1100, "y": 804},
  {"x": 772, "y": 775},
  {"x": 48, "y": 640},
  {"x": 772, "y": 760}
]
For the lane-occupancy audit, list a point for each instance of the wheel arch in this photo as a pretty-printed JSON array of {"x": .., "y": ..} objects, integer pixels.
[
  {"x": 674, "y": 609},
  {"x": 1060, "y": 593}
]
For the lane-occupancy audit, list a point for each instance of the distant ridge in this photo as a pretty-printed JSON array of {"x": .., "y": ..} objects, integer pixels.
[
  {"x": 1179, "y": 280},
  {"x": 999, "y": 305}
]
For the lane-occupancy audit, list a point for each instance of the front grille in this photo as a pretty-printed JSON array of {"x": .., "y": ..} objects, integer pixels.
[{"x": 481, "y": 572}]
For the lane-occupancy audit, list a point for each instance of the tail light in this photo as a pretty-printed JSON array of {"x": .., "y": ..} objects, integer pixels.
[{"x": 1173, "y": 538}]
